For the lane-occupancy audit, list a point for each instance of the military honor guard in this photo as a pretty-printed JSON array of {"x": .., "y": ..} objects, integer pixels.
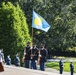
[
  {"x": 42, "y": 57},
  {"x": 27, "y": 55},
  {"x": 34, "y": 56}
]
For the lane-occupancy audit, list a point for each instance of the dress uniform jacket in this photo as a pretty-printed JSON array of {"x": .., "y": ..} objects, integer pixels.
[
  {"x": 27, "y": 56},
  {"x": 43, "y": 54},
  {"x": 34, "y": 52}
]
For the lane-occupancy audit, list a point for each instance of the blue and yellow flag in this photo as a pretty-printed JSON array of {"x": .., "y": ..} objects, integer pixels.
[{"x": 39, "y": 23}]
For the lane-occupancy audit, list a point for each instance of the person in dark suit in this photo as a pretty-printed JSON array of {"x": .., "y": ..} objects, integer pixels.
[
  {"x": 42, "y": 56},
  {"x": 71, "y": 68},
  {"x": 27, "y": 55},
  {"x": 34, "y": 56},
  {"x": 61, "y": 66}
]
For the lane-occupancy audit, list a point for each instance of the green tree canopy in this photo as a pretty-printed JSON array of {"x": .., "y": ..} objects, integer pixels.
[
  {"x": 14, "y": 32},
  {"x": 60, "y": 14}
]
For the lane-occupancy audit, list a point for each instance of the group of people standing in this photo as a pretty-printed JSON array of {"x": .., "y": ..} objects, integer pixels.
[
  {"x": 16, "y": 60},
  {"x": 32, "y": 57},
  {"x": 35, "y": 55},
  {"x": 61, "y": 66},
  {"x": 7, "y": 61}
]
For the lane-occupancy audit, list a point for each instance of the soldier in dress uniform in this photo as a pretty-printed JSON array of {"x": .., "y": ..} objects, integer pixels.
[
  {"x": 27, "y": 55},
  {"x": 61, "y": 66},
  {"x": 42, "y": 56},
  {"x": 33, "y": 56},
  {"x": 71, "y": 68}
]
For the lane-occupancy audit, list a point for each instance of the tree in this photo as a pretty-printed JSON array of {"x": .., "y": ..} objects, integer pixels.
[
  {"x": 13, "y": 29},
  {"x": 60, "y": 15}
]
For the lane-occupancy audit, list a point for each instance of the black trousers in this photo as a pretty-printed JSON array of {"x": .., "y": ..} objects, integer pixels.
[
  {"x": 61, "y": 70},
  {"x": 72, "y": 72}
]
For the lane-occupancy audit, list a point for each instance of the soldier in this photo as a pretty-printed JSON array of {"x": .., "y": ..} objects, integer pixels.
[
  {"x": 27, "y": 55},
  {"x": 61, "y": 66},
  {"x": 42, "y": 56},
  {"x": 34, "y": 56},
  {"x": 71, "y": 68}
]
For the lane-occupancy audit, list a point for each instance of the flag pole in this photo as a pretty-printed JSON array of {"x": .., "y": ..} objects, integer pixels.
[
  {"x": 32, "y": 36},
  {"x": 32, "y": 42},
  {"x": 32, "y": 32}
]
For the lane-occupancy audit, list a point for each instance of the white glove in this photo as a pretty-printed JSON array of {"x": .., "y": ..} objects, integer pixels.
[
  {"x": 39, "y": 55},
  {"x": 24, "y": 53}
]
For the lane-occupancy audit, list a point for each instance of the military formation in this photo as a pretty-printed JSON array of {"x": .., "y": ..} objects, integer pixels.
[
  {"x": 35, "y": 55},
  {"x": 32, "y": 56}
]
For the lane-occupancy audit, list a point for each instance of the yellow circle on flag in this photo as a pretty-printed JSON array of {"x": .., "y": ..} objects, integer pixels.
[{"x": 37, "y": 21}]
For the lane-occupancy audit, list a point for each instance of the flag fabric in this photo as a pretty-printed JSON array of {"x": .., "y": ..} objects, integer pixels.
[{"x": 39, "y": 23}]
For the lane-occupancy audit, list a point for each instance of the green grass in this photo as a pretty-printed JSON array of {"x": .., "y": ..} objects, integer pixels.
[{"x": 55, "y": 65}]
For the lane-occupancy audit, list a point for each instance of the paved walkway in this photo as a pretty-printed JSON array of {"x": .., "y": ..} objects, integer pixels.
[{"x": 12, "y": 70}]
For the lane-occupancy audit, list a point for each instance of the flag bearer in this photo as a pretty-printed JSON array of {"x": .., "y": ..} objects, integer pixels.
[{"x": 33, "y": 56}]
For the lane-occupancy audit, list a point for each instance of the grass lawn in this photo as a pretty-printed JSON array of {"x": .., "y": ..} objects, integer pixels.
[{"x": 55, "y": 65}]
